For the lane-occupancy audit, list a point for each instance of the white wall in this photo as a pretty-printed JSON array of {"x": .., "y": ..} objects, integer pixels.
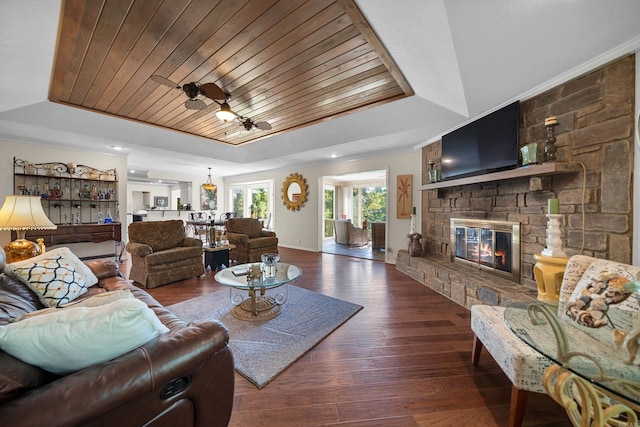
[
  {"x": 41, "y": 154},
  {"x": 302, "y": 229}
]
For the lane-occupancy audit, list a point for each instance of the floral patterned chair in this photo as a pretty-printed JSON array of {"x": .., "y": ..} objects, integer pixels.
[
  {"x": 250, "y": 239},
  {"x": 585, "y": 284},
  {"x": 161, "y": 253}
]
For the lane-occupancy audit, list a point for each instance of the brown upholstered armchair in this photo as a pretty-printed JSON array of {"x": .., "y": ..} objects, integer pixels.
[
  {"x": 250, "y": 239},
  {"x": 161, "y": 253}
]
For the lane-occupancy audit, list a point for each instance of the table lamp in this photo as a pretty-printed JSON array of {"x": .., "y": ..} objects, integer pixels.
[{"x": 19, "y": 214}]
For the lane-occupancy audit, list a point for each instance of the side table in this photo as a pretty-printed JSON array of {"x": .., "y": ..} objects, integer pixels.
[
  {"x": 548, "y": 272},
  {"x": 216, "y": 256}
]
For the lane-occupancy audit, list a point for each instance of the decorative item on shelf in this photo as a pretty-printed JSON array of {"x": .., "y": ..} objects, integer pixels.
[
  {"x": 108, "y": 219},
  {"x": 529, "y": 154},
  {"x": 549, "y": 144},
  {"x": 19, "y": 214},
  {"x": 434, "y": 172}
]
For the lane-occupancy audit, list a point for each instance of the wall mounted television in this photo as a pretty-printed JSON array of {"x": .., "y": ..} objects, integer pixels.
[{"x": 489, "y": 144}]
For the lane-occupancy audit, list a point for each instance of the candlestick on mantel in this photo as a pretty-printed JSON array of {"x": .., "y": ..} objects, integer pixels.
[{"x": 553, "y": 206}]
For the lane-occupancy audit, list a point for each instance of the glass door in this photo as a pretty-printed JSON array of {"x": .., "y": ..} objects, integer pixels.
[{"x": 329, "y": 211}]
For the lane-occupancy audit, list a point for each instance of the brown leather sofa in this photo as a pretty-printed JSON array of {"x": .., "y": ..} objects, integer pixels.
[
  {"x": 184, "y": 377},
  {"x": 161, "y": 253},
  {"x": 250, "y": 239}
]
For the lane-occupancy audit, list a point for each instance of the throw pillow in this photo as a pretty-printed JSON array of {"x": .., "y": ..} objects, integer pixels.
[
  {"x": 54, "y": 280},
  {"x": 94, "y": 301},
  {"x": 77, "y": 337},
  {"x": 602, "y": 306},
  {"x": 90, "y": 279}
]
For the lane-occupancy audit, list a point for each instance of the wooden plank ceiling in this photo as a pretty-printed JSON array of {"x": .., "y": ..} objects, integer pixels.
[{"x": 289, "y": 63}]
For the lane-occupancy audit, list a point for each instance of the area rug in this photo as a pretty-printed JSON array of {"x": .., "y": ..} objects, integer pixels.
[{"x": 262, "y": 350}]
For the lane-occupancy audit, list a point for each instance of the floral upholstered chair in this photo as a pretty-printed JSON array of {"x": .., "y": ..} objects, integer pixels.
[
  {"x": 590, "y": 289},
  {"x": 250, "y": 239},
  {"x": 161, "y": 253}
]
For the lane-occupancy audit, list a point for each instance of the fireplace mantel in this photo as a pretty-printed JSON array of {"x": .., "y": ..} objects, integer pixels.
[{"x": 553, "y": 168}]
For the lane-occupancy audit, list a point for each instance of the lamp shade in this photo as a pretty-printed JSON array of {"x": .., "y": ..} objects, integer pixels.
[
  {"x": 21, "y": 213},
  {"x": 225, "y": 114}
]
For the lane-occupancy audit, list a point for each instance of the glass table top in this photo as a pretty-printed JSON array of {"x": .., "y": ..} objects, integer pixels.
[
  {"x": 236, "y": 276},
  {"x": 569, "y": 345}
]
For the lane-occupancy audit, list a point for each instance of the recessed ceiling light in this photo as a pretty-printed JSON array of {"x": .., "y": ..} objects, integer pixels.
[
  {"x": 117, "y": 148},
  {"x": 333, "y": 156},
  {"x": 132, "y": 171}
]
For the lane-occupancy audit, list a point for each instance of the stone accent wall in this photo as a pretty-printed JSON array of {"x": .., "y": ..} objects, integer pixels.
[
  {"x": 463, "y": 285},
  {"x": 596, "y": 127}
]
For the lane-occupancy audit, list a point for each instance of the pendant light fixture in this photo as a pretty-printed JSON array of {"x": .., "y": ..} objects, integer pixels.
[
  {"x": 225, "y": 114},
  {"x": 209, "y": 185}
]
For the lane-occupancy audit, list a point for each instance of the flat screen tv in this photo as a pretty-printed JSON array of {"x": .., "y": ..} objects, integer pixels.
[{"x": 489, "y": 144}]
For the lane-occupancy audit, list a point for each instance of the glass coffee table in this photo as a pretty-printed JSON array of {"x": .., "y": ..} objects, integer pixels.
[{"x": 251, "y": 297}]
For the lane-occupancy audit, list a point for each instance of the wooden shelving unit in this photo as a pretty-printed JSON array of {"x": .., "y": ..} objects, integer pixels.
[
  {"x": 77, "y": 198},
  {"x": 553, "y": 168}
]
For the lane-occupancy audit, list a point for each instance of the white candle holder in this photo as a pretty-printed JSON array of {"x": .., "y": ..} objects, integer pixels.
[{"x": 554, "y": 240}]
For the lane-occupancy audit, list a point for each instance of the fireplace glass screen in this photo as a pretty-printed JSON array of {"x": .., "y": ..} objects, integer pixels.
[{"x": 485, "y": 247}]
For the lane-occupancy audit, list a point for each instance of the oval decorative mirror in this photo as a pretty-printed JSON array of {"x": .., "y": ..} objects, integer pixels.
[{"x": 294, "y": 191}]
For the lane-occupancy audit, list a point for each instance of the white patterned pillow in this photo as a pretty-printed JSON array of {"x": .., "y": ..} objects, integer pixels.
[
  {"x": 74, "y": 338},
  {"x": 601, "y": 306},
  {"x": 54, "y": 280},
  {"x": 90, "y": 279}
]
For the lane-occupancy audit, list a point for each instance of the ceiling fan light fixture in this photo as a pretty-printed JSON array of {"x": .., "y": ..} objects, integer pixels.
[
  {"x": 225, "y": 114},
  {"x": 209, "y": 185}
]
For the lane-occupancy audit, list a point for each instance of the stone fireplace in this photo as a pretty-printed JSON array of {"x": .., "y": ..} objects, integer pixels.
[
  {"x": 490, "y": 245},
  {"x": 594, "y": 142}
]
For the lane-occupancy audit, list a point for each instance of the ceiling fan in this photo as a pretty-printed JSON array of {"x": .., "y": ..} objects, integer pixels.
[
  {"x": 213, "y": 92},
  {"x": 193, "y": 90}
]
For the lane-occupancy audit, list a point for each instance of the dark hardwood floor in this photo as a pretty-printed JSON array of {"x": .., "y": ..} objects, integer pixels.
[{"x": 404, "y": 360}]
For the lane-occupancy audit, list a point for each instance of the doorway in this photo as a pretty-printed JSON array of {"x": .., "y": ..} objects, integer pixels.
[{"x": 361, "y": 198}]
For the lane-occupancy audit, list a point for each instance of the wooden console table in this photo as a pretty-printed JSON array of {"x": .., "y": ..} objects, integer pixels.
[{"x": 80, "y": 233}]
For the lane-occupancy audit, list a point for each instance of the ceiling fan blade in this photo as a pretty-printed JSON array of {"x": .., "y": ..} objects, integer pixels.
[
  {"x": 213, "y": 91},
  {"x": 263, "y": 125},
  {"x": 195, "y": 104},
  {"x": 165, "y": 81}
]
